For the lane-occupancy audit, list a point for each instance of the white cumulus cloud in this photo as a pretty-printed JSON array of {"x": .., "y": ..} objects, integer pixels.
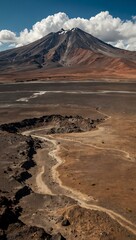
[
  {"x": 7, "y": 36},
  {"x": 104, "y": 26}
]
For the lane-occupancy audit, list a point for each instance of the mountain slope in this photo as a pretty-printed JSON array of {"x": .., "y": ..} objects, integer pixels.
[{"x": 67, "y": 49}]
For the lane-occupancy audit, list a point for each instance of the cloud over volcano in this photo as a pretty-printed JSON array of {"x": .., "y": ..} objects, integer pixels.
[{"x": 110, "y": 29}]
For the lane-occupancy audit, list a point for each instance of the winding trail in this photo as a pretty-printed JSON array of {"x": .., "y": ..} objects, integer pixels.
[
  {"x": 42, "y": 187},
  {"x": 126, "y": 154},
  {"x": 83, "y": 200},
  {"x": 55, "y": 175}
]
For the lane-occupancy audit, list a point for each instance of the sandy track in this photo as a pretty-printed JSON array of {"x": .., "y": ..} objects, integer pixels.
[
  {"x": 55, "y": 175},
  {"x": 126, "y": 154},
  {"x": 42, "y": 187},
  {"x": 82, "y": 199}
]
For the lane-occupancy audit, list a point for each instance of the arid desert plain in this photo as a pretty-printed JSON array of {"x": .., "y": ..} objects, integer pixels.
[{"x": 68, "y": 160}]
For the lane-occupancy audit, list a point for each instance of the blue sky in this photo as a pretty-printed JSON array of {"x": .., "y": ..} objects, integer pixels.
[
  {"x": 19, "y": 14},
  {"x": 113, "y": 21}
]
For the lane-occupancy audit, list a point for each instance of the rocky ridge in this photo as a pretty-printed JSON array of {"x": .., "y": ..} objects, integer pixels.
[
  {"x": 15, "y": 175},
  {"x": 11, "y": 227},
  {"x": 53, "y": 124}
]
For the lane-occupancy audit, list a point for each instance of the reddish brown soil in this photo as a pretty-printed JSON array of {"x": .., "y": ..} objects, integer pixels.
[
  {"x": 98, "y": 165},
  {"x": 77, "y": 74}
]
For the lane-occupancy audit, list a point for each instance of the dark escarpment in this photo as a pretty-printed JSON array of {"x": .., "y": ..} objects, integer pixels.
[
  {"x": 17, "y": 153},
  {"x": 53, "y": 124},
  {"x": 12, "y": 228},
  {"x": 17, "y": 169}
]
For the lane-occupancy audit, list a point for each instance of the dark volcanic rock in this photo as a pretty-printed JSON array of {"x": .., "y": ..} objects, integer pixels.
[
  {"x": 23, "y": 176},
  {"x": 12, "y": 228},
  {"x": 21, "y": 231},
  {"x": 22, "y": 193},
  {"x": 28, "y": 164},
  {"x": 65, "y": 223},
  {"x": 62, "y": 124}
]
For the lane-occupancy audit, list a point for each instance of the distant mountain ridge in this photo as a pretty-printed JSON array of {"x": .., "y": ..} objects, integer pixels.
[{"x": 66, "y": 49}]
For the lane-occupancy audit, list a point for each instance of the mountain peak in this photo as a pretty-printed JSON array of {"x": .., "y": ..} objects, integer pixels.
[
  {"x": 76, "y": 29},
  {"x": 63, "y": 31},
  {"x": 65, "y": 48}
]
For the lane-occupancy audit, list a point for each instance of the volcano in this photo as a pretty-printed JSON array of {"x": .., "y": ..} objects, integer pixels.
[{"x": 67, "y": 54}]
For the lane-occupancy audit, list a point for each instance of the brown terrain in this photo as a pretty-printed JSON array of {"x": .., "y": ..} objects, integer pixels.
[
  {"x": 68, "y": 156},
  {"x": 67, "y": 165},
  {"x": 67, "y": 55}
]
